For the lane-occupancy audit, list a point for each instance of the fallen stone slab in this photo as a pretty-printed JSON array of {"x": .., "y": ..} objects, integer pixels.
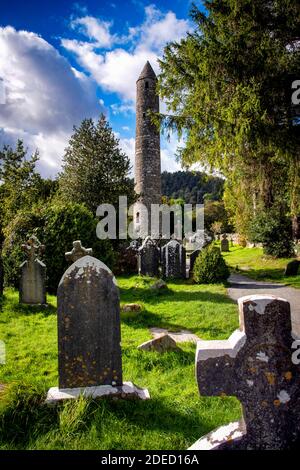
[
  {"x": 128, "y": 391},
  {"x": 182, "y": 336},
  {"x": 161, "y": 344}
]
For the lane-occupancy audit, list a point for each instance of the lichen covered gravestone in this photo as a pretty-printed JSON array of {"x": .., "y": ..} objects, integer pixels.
[
  {"x": 89, "y": 350},
  {"x": 33, "y": 274},
  {"x": 224, "y": 243},
  {"x": 173, "y": 260},
  {"x": 148, "y": 258},
  {"x": 255, "y": 365}
]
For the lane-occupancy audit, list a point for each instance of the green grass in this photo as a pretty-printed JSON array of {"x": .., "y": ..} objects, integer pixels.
[
  {"x": 253, "y": 263},
  {"x": 174, "y": 417}
]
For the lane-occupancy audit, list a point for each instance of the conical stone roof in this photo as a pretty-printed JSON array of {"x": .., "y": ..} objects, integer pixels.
[{"x": 147, "y": 72}]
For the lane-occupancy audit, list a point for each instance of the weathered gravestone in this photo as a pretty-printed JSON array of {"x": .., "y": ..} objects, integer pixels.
[
  {"x": 148, "y": 258},
  {"x": 224, "y": 243},
  {"x": 255, "y": 365},
  {"x": 173, "y": 260},
  {"x": 33, "y": 274},
  {"x": 1, "y": 276},
  {"x": 89, "y": 350},
  {"x": 77, "y": 252},
  {"x": 292, "y": 268},
  {"x": 193, "y": 258}
]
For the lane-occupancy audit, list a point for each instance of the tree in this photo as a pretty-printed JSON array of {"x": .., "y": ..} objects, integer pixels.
[
  {"x": 95, "y": 170},
  {"x": 56, "y": 226},
  {"x": 228, "y": 89},
  {"x": 214, "y": 212},
  {"x": 191, "y": 186},
  {"x": 216, "y": 228},
  {"x": 19, "y": 181}
]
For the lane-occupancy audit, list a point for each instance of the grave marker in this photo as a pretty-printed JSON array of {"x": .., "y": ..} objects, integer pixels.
[
  {"x": 224, "y": 243},
  {"x": 255, "y": 365},
  {"x": 148, "y": 258},
  {"x": 193, "y": 258},
  {"x": 33, "y": 274},
  {"x": 89, "y": 350},
  {"x": 77, "y": 252},
  {"x": 173, "y": 260}
]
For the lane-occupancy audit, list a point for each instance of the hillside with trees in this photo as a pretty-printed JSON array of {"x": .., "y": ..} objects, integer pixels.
[{"x": 192, "y": 187}]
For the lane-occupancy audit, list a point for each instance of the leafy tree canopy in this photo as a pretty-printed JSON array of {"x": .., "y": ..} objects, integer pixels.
[{"x": 95, "y": 170}]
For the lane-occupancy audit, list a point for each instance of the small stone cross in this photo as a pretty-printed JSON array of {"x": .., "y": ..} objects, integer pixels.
[
  {"x": 78, "y": 252},
  {"x": 33, "y": 248},
  {"x": 255, "y": 365}
]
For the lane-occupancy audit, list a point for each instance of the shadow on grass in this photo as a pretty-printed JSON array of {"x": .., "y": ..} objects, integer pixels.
[
  {"x": 25, "y": 310},
  {"x": 148, "y": 319},
  {"x": 26, "y": 419},
  {"x": 271, "y": 275},
  {"x": 148, "y": 360},
  {"x": 172, "y": 296},
  {"x": 23, "y": 415},
  {"x": 156, "y": 415}
]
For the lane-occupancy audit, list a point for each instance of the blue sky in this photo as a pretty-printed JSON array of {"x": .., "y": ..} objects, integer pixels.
[{"x": 61, "y": 61}]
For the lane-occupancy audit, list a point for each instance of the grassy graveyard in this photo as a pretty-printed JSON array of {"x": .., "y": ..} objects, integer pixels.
[{"x": 174, "y": 417}]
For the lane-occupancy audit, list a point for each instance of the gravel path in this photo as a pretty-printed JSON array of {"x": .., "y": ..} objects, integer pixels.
[{"x": 242, "y": 285}]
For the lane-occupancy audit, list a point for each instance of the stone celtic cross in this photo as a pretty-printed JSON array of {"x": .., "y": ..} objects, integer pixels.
[
  {"x": 78, "y": 252},
  {"x": 33, "y": 248},
  {"x": 255, "y": 365},
  {"x": 33, "y": 274}
]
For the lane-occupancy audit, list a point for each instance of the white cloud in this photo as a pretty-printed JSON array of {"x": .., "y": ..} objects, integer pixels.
[
  {"x": 168, "y": 150},
  {"x": 45, "y": 96},
  {"x": 94, "y": 29},
  {"x": 117, "y": 70},
  {"x": 159, "y": 29},
  {"x": 128, "y": 147},
  {"x": 123, "y": 108}
]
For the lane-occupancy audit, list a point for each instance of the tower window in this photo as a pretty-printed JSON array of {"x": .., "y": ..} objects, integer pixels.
[
  {"x": 137, "y": 217},
  {"x": 144, "y": 115},
  {"x": 146, "y": 85}
]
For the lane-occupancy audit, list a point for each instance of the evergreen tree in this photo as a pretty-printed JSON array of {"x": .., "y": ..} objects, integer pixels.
[
  {"x": 19, "y": 181},
  {"x": 95, "y": 170},
  {"x": 228, "y": 87}
]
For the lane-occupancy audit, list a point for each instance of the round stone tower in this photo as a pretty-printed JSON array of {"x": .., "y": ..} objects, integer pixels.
[{"x": 147, "y": 148}]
